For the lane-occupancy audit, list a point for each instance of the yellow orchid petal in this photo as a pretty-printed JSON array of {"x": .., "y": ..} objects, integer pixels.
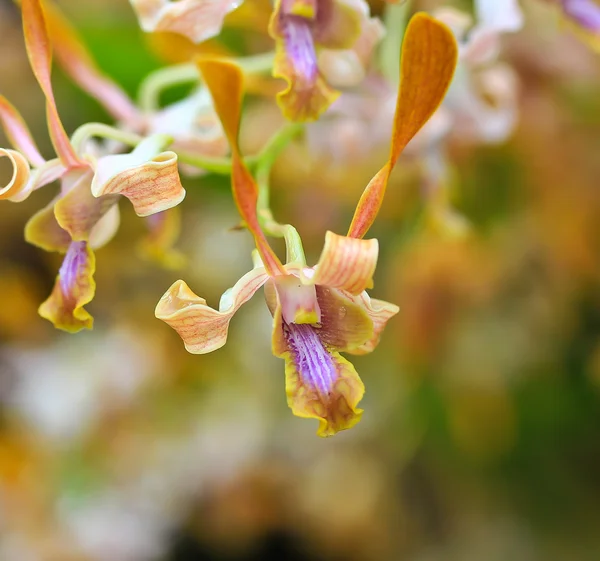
[
  {"x": 225, "y": 83},
  {"x": 20, "y": 174},
  {"x": 81, "y": 68},
  {"x": 429, "y": 55},
  {"x": 202, "y": 328},
  {"x": 74, "y": 288},
  {"x": 319, "y": 383},
  {"x": 197, "y": 20},
  {"x": 347, "y": 263},
  {"x": 105, "y": 229},
  {"x": 77, "y": 211},
  {"x": 149, "y": 180},
  {"x": 39, "y": 52},
  {"x": 163, "y": 232},
  {"x": 43, "y": 231},
  {"x": 380, "y": 312},
  {"x": 18, "y": 133},
  {"x": 345, "y": 323},
  {"x": 307, "y": 95}
]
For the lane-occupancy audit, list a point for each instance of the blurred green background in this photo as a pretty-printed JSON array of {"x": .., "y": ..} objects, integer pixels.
[{"x": 480, "y": 437}]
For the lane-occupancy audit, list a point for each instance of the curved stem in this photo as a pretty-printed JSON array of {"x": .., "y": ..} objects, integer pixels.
[
  {"x": 163, "y": 78},
  {"x": 87, "y": 131}
]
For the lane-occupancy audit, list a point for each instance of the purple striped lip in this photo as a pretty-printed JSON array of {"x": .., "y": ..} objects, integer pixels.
[
  {"x": 74, "y": 261},
  {"x": 315, "y": 364},
  {"x": 585, "y": 12},
  {"x": 300, "y": 47}
]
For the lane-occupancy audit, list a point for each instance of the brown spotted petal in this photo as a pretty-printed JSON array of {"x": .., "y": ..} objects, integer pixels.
[
  {"x": 74, "y": 288},
  {"x": 148, "y": 179},
  {"x": 202, "y": 328},
  {"x": 197, "y": 20},
  {"x": 319, "y": 383},
  {"x": 347, "y": 263}
]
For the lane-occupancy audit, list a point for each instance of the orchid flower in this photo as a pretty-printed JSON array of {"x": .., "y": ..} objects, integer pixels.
[
  {"x": 345, "y": 32},
  {"x": 321, "y": 311},
  {"x": 83, "y": 216}
]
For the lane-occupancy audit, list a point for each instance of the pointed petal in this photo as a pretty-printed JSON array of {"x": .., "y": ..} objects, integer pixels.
[
  {"x": 319, "y": 383},
  {"x": 225, "y": 83},
  {"x": 74, "y": 288},
  {"x": 81, "y": 68},
  {"x": 345, "y": 324},
  {"x": 197, "y": 20},
  {"x": 347, "y": 263},
  {"x": 43, "y": 231},
  {"x": 17, "y": 132},
  {"x": 150, "y": 181},
  {"x": 380, "y": 312},
  {"x": 163, "y": 232},
  {"x": 20, "y": 174},
  {"x": 307, "y": 95},
  {"x": 429, "y": 54},
  {"x": 202, "y": 328}
]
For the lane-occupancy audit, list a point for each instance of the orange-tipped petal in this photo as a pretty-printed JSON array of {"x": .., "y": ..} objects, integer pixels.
[
  {"x": 319, "y": 383},
  {"x": 20, "y": 174},
  {"x": 17, "y": 132},
  {"x": 429, "y": 55},
  {"x": 39, "y": 52},
  {"x": 77, "y": 211},
  {"x": 74, "y": 288},
  {"x": 307, "y": 95},
  {"x": 149, "y": 180},
  {"x": 81, "y": 68},
  {"x": 197, "y": 20},
  {"x": 347, "y": 263},
  {"x": 202, "y": 328},
  {"x": 380, "y": 312},
  {"x": 225, "y": 83}
]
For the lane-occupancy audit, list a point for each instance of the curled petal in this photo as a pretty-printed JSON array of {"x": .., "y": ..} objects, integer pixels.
[
  {"x": 17, "y": 132},
  {"x": 163, "y": 232},
  {"x": 202, "y": 328},
  {"x": 77, "y": 211},
  {"x": 345, "y": 323},
  {"x": 347, "y": 263},
  {"x": 319, "y": 383},
  {"x": 81, "y": 68},
  {"x": 74, "y": 288},
  {"x": 197, "y": 20},
  {"x": 39, "y": 52},
  {"x": 152, "y": 184},
  {"x": 380, "y": 312},
  {"x": 307, "y": 94},
  {"x": 20, "y": 174},
  {"x": 429, "y": 55},
  {"x": 225, "y": 83}
]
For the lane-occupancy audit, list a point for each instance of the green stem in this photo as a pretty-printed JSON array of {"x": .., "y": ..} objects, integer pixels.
[
  {"x": 396, "y": 19},
  {"x": 163, "y": 78},
  {"x": 87, "y": 131}
]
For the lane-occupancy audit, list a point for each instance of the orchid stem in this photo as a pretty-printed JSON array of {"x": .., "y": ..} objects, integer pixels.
[
  {"x": 396, "y": 19},
  {"x": 159, "y": 80},
  {"x": 89, "y": 130}
]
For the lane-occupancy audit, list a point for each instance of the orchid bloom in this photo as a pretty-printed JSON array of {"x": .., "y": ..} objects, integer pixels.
[
  {"x": 345, "y": 32},
  {"x": 83, "y": 216},
  {"x": 318, "y": 311}
]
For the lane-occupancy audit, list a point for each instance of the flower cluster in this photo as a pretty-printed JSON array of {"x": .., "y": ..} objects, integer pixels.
[{"x": 340, "y": 69}]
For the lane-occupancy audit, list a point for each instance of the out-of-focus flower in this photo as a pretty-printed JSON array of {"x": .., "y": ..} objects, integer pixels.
[
  {"x": 83, "y": 215},
  {"x": 499, "y": 15},
  {"x": 583, "y": 17},
  {"x": 321, "y": 311},
  {"x": 348, "y": 35},
  {"x": 197, "y": 20}
]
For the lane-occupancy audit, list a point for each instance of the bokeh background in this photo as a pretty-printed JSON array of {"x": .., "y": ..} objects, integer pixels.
[{"x": 480, "y": 439}]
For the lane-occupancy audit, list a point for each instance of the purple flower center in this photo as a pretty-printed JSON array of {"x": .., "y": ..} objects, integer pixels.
[
  {"x": 74, "y": 261},
  {"x": 585, "y": 12},
  {"x": 300, "y": 47},
  {"x": 315, "y": 364}
]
